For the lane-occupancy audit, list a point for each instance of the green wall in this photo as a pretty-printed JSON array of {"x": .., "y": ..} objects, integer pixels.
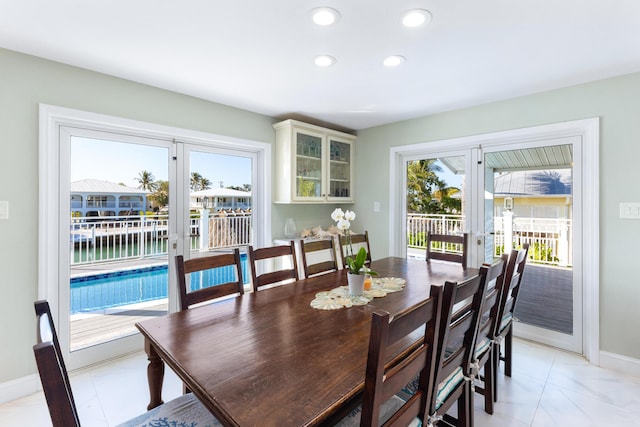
[
  {"x": 616, "y": 102},
  {"x": 26, "y": 81}
]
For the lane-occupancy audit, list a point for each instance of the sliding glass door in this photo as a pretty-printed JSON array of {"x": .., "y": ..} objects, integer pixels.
[
  {"x": 504, "y": 195},
  {"x": 531, "y": 195},
  {"x": 116, "y": 230},
  {"x": 119, "y": 199}
]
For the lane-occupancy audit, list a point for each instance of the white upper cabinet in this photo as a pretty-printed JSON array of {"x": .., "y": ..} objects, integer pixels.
[{"x": 313, "y": 164}]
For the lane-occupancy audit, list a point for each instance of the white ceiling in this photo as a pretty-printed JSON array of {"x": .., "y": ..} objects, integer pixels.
[{"x": 258, "y": 55}]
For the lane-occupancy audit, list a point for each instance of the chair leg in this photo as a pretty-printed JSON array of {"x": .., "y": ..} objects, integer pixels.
[
  {"x": 469, "y": 414},
  {"x": 465, "y": 411},
  {"x": 496, "y": 367},
  {"x": 508, "y": 351},
  {"x": 489, "y": 385}
]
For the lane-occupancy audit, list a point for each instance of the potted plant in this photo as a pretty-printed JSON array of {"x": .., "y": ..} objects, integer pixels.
[{"x": 356, "y": 270}]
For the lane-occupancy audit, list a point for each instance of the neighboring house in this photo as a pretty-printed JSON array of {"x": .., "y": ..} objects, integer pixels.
[
  {"x": 93, "y": 197},
  {"x": 535, "y": 193},
  {"x": 220, "y": 198}
]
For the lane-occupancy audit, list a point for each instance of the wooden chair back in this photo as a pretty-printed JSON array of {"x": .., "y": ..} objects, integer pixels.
[
  {"x": 184, "y": 410},
  {"x": 207, "y": 291},
  {"x": 280, "y": 253},
  {"x": 512, "y": 279},
  {"x": 383, "y": 381},
  {"x": 449, "y": 246},
  {"x": 357, "y": 241},
  {"x": 52, "y": 370},
  {"x": 504, "y": 324},
  {"x": 483, "y": 348},
  {"x": 319, "y": 248},
  {"x": 461, "y": 304}
]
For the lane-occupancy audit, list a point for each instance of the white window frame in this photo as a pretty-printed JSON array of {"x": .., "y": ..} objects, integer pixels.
[
  {"x": 51, "y": 123},
  {"x": 588, "y": 130}
]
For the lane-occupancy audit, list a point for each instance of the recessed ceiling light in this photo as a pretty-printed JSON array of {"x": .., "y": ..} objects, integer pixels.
[
  {"x": 393, "y": 60},
  {"x": 416, "y": 18},
  {"x": 324, "y": 60},
  {"x": 325, "y": 16}
]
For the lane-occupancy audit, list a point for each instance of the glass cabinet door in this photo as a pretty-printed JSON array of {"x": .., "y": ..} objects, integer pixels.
[
  {"x": 309, "y": 164},
  {"x": 339, "y": 168}
]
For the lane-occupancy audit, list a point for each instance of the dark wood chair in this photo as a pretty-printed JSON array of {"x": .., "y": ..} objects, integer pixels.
[
  {"x": 450, "y": 247},
  {"x": 323, "y": 249},
  {"x": 280, "y": 253},
  {"x": 483, "y": 352},
  {"x": 185, "y": 410},
  {"x": 357, "y": 241},
  {"x": 195, "y": 287},
  {"x": 504, "y": 326},
  {"x": 461, "y": 303},
  {"x": 381, "y": 404}
]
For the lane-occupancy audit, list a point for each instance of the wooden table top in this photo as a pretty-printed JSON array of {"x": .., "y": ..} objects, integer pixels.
[{"x": 268, "y": 358}]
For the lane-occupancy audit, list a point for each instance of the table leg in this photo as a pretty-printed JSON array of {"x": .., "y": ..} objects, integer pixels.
[{"x": 155, "y": 375}]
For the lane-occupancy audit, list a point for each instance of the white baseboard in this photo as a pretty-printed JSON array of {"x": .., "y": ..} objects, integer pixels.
[
  {"x": 20, "y": 387},
  {"x": 620, "y": 363}
]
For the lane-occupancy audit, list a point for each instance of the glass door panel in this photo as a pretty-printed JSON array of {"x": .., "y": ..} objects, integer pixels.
[
  {"x": 436, "y": 199},
  {"x": 117, "y": 237},
  {"x": 308, "y": 165},
  {"x": 219, "y": 213},
  {"x": 339, "y": 168},
  {"x": 531, "y": 194}
]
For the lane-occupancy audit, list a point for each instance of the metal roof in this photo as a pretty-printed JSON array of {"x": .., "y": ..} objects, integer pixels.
[{"x": 96, "y": 186}]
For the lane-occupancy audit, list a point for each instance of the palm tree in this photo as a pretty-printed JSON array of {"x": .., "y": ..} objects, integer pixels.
[
  {"x": 195, "y": 181},
  {"x": 146, "y": 181},
  {"x": 205, "y": 184},
  {"x": 422, "y": 184},
  {"x": 199, "y": 182}
]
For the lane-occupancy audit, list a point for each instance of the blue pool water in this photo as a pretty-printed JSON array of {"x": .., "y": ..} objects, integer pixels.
[{"x": 139, "y": 285}]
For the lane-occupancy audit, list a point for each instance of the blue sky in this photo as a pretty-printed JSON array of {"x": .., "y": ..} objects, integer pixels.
[{"x": 119, "y": 162}]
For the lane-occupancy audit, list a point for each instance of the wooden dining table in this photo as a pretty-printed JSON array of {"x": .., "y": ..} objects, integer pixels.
[{"x": 268, "y": 358}]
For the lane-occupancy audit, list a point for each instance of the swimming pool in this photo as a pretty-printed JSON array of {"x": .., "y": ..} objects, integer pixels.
[{"x": 119, "y": 288}]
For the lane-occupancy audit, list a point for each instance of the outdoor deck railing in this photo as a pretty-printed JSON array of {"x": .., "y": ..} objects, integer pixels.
[
  {"x": 99, "y": 240},
  {"x": 95, "y": 240},
  {"x": 549, "y": 238}
]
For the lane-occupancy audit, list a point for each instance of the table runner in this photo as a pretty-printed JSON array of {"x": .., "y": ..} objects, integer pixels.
[{"x": 339, "y": 297}]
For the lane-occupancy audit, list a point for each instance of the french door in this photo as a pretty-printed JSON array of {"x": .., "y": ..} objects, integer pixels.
[
  {"x": 490, "y": 176},
  {"x": 114, "y": 239},
  {"x": 531, "y": 195},
  {"x": 117, "y": 206}
]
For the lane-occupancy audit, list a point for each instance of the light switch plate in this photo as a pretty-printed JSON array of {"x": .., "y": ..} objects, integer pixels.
[
  {"x": 630, "y": 210},
  {"x": 4, "y": 209}
]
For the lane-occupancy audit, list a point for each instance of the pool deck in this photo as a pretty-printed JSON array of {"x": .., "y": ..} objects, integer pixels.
[
  {"x": 96, "y": 327},
  {"x": 107, "y": 267},
  {"x": 87, "y": 329}
]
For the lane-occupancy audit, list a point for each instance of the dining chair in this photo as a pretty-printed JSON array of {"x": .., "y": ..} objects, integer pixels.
[
  {"x": 197, "y": 277},
  {"x": 461, "y": 303},
  {"x": 318, "y": 257},
  {"x": 449, "y": 247},
  {"x": 260, "y": 257},
  {"x": 184, "y": 410},
  {"x": 504, "y": 328},
  {"x": 357, "y": 241},
  {"x": 482, "y": 366},
  {"x": 381, "y": 404}
]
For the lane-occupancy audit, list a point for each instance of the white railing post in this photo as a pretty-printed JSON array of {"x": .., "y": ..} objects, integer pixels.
[
  {"x": 563, "y": 246},
  {"x": 204, "y": 230},
  {"x": 508, "y": 231},
  {"x": 93, "y": 247},
  {"x": 143, "y": 236}
]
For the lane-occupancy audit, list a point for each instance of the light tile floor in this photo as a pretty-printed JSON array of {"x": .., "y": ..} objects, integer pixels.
[{"x": 548, "y": 388}]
